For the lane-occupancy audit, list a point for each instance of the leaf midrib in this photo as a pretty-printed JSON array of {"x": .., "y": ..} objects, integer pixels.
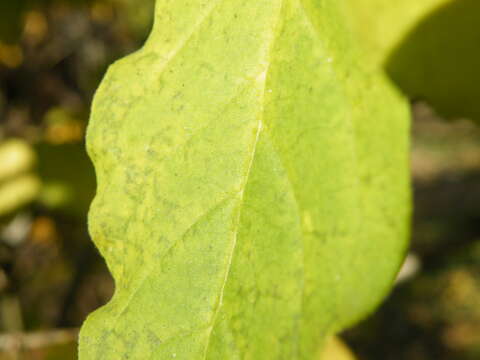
[{"x": 263, "y": 76}]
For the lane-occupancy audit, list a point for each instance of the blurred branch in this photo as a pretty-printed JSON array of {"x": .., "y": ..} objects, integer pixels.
[{"x": 36, "y": 340}]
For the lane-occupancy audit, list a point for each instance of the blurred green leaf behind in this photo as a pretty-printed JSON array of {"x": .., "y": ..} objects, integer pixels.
[
  {"x": 429, "y": 48},
  {"x": 438, "y": 60}
]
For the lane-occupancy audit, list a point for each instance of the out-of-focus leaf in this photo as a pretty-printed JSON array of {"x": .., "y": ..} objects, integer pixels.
[
  {"x": 429, "y": 48},
  {"x": 17, "y": 186},
  {"x": 18, "y": 192},
  {"x": 68, "y": 179},
  {"x": 253, "y": 184},
  {"x": 335, "y": 349},
  {"x": 16, "y": 157},
  {"x": 382, "y": 24},
  {"x": 438, "y": 60},
  {"x": 139, "y": 15}
]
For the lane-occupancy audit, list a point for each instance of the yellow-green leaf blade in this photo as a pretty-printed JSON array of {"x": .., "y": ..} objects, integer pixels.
[{"x": 252, "y": 184}]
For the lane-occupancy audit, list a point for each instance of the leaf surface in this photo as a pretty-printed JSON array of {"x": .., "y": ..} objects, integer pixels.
[{"x": 252, "y": 184}]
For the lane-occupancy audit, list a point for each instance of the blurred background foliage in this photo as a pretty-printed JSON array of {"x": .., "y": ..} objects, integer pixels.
[{"x": 53, "y": 54}]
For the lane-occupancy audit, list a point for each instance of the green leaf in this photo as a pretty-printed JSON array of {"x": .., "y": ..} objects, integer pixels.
[
  {"x": 67, "y": 176},
  {"x": 252, "y": 184},
  {"x": 429, "y": 48},
  {"x": 16, "y": 158},
  {"x": 335, "y": 349},
  {"x": 138, "y": 15},
  {"x": 381, "y": 25},
  {"x": 18, "y": 186}
]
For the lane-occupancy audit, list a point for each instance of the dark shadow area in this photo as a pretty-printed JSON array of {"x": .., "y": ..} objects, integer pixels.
[{"x": 438, "y": 61}]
